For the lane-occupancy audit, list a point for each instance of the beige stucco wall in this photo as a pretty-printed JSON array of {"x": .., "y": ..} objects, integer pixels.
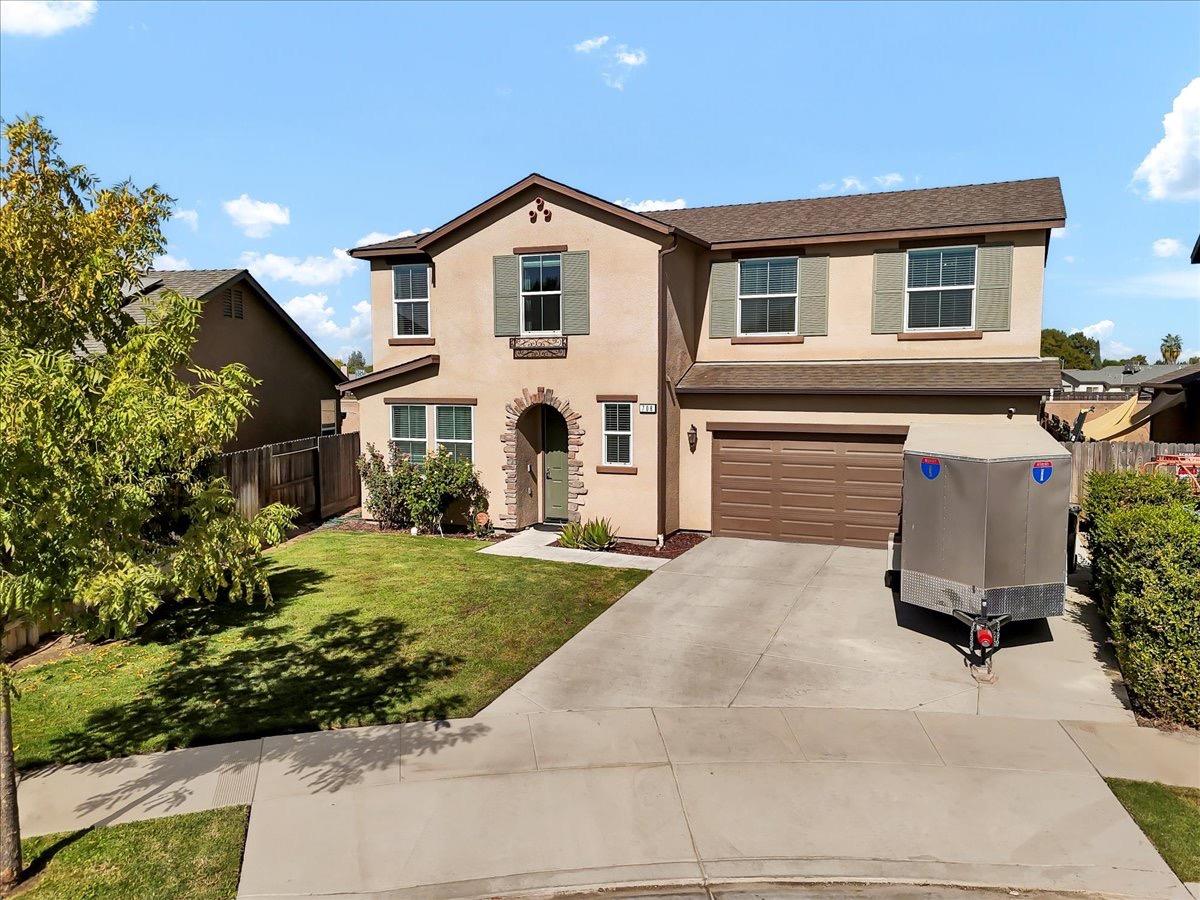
[
  {"x": 293, "y": 381},
  {"x": 695, "y": 470},
  {"x": 851, "y": 270},
  {"x": 618, "y": 356}
]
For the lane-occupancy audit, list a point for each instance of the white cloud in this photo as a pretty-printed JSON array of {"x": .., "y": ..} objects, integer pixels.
[
  {"x": 376, "y": 237},
  {"x": 826, "y": 185},
  {"x": 167, "y": 261},
  {"x": 314, "y": 314},
  {"x": 626, "y": 57},
  {"x": 190, "y": 216},
  {"x": 1171, "y": 170},
  {"x": 1061, "y": 232},
  {"x": 642, "y": 206},
  {"x": 1110, "y": 348},
  {"x": 1068, "y": 259},
  {"x": 256, "y": 218},
  {"x": 587, "y": 46},
  {"x": 616, "y": 62},
  {"x": 1174, "y": 284},
  {"x": 891, "y": 179},
  {"x": 43, "y": 18},
  {"x": 851, "y": 183},
  {"x": 1167, "y": 247},
  {"x": 312, "y": 270},
  {"x": 1100, "y": 331}
]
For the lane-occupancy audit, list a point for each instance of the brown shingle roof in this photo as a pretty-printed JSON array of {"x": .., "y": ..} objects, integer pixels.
[
  {"x": 1008, "y": 376},
  {"x": 1035, "y": 200}
]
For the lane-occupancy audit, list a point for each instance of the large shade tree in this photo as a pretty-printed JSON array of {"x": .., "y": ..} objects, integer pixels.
[
  {"x": 109, "y": 504},
  {"x": 1076, "y": 350}
]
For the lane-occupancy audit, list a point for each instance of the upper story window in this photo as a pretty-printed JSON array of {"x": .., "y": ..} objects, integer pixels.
[
  {"x": 410, "y": 292},
  {"x": 940, "y": 292},
  {"x": 541, "y": 294},
  {"x": 767, "y": 296},
  {"x": 408, "y": 431},
  {"x": 618, "y": 434}
]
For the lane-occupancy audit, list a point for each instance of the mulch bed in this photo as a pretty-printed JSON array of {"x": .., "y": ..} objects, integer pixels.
[{"x": 676, "y": 545}]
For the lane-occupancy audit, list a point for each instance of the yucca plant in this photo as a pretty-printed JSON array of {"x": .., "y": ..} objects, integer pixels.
[{"x": 595, "y": 534}]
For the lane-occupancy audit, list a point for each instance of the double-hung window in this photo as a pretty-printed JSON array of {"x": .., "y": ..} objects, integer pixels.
[
  {"x": 454, "y": 430},
  {"x": 408, "y": 431},
  {"x": 410, "y": 292},
  {"x": 940, "y": 291},
  {"x": 541, "y": 294},
  {"x": 618, "y": 434},
  {"x": 767, "y": 296}
]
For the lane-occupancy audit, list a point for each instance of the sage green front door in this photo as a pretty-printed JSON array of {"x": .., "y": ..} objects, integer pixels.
[{"x": 555, "y": 446}]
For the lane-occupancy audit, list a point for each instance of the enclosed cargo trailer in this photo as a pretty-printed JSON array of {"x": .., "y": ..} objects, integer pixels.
[{"x": 984, "y": 524}]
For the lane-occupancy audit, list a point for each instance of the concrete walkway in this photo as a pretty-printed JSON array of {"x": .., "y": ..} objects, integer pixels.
[
  {"x": 757, "y": 623},
  {"x": 534, "y": 543},
  {"x": 513, "y": 803}
]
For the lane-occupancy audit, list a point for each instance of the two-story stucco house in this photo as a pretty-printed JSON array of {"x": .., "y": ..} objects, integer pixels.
[{"x": 748, "y": 370}]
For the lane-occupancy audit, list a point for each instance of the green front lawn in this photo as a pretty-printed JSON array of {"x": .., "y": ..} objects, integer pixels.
[
  {"x": 198, "y": 856},
  {"x": 1170, "y": 816},
  {"x": 366, "y": 628}
]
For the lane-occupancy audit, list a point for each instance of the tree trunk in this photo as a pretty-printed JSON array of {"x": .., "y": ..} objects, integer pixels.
[{"x": 10, "y": 823}]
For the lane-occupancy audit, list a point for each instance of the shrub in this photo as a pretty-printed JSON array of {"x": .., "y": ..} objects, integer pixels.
[
  {"x": 404, "y": 494},
  {"x": 1106, "y": 492},
  {"x": 595, "y": 534},
  {"x": 387, "y": 487},
  {"x": 1156, "y": 631},
  {"x": 1145, "y": 543}
]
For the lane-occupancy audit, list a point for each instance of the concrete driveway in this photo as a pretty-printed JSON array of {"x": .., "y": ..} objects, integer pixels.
[{"x": 756, "y": 623}]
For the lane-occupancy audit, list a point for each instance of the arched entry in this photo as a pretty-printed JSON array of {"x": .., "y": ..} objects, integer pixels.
[{"x": 543, "y": 474}]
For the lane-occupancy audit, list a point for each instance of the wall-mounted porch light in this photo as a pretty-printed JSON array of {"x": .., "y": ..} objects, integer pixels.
[{"x": 693, "y": 436}]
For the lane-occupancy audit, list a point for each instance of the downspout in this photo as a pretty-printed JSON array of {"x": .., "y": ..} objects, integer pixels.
[{"x": 663, "y": 253}]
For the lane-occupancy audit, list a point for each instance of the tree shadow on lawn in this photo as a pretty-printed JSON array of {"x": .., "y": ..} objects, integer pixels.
[{"x": 348, "y": 669}]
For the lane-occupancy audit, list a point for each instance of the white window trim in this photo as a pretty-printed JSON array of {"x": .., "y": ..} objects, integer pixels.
[
  {"x": 795, "y": 309},
  {"x": 953, "y": 287},
  {"x": 392, "y": 425},
  {"x": 442, "y": 443},
  {"x": 604, "y": 433},
  {"x": 524, "y": 294},
  {"x": 428, "y": 318}
]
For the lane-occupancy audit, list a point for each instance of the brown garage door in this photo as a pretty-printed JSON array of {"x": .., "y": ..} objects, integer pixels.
[{"x": 823, "y": 488}]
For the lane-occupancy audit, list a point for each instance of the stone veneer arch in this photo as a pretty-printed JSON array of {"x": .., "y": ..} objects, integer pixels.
[{"x": 512, "y": 414}]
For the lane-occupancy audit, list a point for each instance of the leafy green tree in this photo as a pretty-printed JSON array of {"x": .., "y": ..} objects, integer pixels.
[
  {"x": 1138, "y": 360},
  {"x": 356, "y": 363},
  {"x": 1076, "y": 350},
  {"x": 1170, "y": 348},
  {"x": 109, "y": 505},
  {"x": 1193, "y": 360}
]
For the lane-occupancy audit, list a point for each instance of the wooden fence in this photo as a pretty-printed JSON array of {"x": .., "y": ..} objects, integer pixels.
[
  {"x": 1113, "y": 456},
  {"x": 316, "y": 475}
]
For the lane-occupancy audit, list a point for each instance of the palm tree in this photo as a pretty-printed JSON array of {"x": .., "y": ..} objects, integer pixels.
[{"x": 1171, "y": 347}]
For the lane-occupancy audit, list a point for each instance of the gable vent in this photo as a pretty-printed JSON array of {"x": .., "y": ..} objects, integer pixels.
[{"x": 234, "y": 304}]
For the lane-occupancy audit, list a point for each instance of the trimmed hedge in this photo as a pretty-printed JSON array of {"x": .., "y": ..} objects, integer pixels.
[{"x": 1145, "y": 545}]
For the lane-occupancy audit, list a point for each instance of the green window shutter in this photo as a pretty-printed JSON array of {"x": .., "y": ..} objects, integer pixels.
[
  {"x": 814, "y": 295},
  {"x": 506, "y": 295},
  {"x": 575, "y": 292},
  {"x": 887, "y": 301},
  {"x": 993, "y": 291},
  {"x": 722, "y": 319}
]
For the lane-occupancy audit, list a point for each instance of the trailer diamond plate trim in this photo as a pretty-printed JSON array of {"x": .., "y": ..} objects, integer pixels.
[{"x": 1033, "y": 601}]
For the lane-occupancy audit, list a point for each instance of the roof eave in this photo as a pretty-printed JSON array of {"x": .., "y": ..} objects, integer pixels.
[
  {"x": 862, "y": 392},
  {"x": 413, "y": 365},
  {"x": 905, "y": 234}
]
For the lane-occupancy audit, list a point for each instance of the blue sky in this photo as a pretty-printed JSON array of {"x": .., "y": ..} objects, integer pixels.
[{"x": 287, "y": 132}]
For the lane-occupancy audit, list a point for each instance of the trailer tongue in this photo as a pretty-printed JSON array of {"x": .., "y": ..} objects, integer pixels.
[{"x": 984, "y": 526}]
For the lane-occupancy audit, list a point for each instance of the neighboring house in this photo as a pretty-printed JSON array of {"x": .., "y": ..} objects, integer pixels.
[
  {"x": 240, "y": 322},
  {"x": 1123, "y": 379},
  {"x": 747, "y": 370},
  {"x": 1174, "y": 410}
]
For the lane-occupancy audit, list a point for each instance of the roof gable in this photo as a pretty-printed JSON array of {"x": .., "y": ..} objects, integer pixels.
[{"x": 419, "y": 242}]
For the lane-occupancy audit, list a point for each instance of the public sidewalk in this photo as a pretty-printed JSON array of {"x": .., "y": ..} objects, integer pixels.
[
  {"x": 685, "y": 796},
  {"x": 534, "y": 543}
]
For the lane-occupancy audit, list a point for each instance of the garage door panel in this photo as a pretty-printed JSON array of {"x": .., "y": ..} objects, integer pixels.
[{"x": 806, "y": 488}]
